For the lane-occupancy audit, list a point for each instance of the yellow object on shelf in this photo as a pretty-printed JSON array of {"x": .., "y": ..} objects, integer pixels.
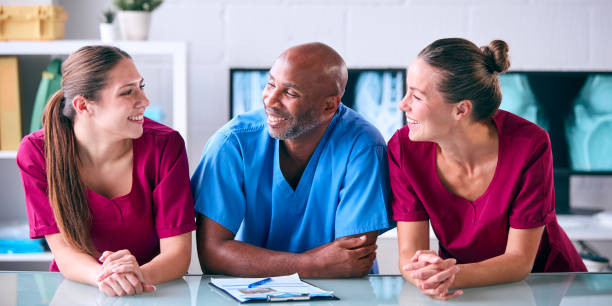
[
  {"x": 10, "y": 105},
  {"x": 32, "y": 22}
]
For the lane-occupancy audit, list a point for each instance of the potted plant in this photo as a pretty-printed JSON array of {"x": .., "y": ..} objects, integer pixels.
[
  {"x": 107, "y": 28},
  {"x": 134, "y": 17}
]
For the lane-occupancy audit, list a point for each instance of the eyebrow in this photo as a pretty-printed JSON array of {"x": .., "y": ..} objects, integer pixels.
[
  {"x": 414, "y": 88},
  {"x": 132, "y": 84},
  {"x": 286, "y": 83}
]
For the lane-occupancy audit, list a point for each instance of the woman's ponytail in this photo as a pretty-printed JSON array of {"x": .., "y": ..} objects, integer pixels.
[{"x": 66, "y": 192}]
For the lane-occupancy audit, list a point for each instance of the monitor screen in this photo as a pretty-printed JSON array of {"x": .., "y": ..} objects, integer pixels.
[
  {"x": 374, "y": 93},
  {"x": 575, "y": 108}
]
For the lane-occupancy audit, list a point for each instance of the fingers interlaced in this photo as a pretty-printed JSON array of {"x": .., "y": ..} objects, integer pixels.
[
  {"x": 421, "y": 252},
  {"x": 121, "y": 274}
]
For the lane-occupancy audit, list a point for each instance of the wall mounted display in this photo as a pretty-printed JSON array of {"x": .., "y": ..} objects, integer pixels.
[{"x": 575, "y": 108}]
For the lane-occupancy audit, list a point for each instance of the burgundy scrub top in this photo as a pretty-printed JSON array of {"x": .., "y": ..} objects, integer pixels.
[
  {"x": 520, "y": 195},
  {"x": 159, "y": 205}
]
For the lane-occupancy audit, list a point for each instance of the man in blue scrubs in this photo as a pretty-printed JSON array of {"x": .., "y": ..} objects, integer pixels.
[{"x": 299, "y": 186}]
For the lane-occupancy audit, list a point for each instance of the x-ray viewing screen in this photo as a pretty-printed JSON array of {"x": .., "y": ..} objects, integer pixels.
[
  {"x": 575, "y": 108},
  {"x": 374, "y": 93}
]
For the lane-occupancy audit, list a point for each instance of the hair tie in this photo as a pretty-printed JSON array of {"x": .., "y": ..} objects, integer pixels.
[{"x": 491, "y": 66}]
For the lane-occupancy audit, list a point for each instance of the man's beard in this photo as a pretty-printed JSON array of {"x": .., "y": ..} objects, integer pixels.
[{"x": 305, "y": 123}]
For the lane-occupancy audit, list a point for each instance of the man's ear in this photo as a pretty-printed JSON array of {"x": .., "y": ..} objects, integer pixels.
[
  {"x": 332, "y": 103},
  {"x": 463, "y": 109},
  {"x": 81, "y": 105}
]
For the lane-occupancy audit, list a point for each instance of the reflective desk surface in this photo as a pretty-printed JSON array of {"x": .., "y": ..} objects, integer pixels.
[{"x": 42, "y": 288}]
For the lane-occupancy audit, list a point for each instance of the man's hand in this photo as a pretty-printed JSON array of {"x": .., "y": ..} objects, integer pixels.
[{"x": 344, "y": 257}]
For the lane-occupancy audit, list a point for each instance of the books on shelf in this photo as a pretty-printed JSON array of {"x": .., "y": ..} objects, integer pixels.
[
  {"x": 10, "y": 106},
  {"x": 50, "y": 83}
]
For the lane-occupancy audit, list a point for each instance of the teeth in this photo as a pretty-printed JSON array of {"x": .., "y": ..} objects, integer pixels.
[
  {"x": 275, "y": 119},
  {"x": 411, "y": 121},
  {"x": 136, "y": 118}
]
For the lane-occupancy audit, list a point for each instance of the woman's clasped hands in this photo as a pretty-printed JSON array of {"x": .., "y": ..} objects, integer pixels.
[
  {"x": 433, "y": 275},
  {"x": 121, "y": 275}
]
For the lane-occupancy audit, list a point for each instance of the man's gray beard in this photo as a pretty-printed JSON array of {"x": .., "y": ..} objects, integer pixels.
[{"x": 304, "y": 124}]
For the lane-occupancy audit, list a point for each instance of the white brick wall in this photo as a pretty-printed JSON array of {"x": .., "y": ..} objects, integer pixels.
[
  {"x": 257, "y": 33},
  {"x": 393, "y": 36},
  {"x": 202, "y": 26},
  {"x": 600, "y": 37},
  {"x": 540, "y": 36}
]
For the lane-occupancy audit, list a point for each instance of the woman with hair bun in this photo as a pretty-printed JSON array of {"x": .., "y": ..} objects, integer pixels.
[
  {"x": 105, "y": 186},
  {"x": 482, "y": 176}
]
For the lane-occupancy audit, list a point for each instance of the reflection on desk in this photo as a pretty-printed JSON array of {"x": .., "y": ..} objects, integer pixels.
[{"x": 48, "y": 288}]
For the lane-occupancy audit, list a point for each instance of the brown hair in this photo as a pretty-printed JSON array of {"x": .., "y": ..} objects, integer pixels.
[
  {"x": 469, "y": 72},
  {"x": 83, "y": 74}
]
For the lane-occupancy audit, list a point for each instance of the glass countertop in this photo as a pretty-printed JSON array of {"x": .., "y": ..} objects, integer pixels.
[{"x": 47, "y": 288}]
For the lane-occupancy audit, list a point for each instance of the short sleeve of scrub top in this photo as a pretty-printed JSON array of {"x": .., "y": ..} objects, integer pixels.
[
  {"x": 217, "y": 182},
  {"x": 406, "y": 205},
  {"x": 31, "y": 163},
  {"x": 364, "y": 192},
  {"x": 172, "y": 196},
  {"x": 534, "y": 204}
]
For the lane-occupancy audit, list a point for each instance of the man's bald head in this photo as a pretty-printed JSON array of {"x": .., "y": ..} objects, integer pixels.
[
  {"x": 320, "y": 61},
  {"x": 304, "y": 91}
]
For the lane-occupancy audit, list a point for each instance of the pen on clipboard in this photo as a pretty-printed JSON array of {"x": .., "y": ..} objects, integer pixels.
[{"x": 260, "y": 282}]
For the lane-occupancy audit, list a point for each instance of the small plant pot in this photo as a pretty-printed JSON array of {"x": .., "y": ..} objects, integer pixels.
[
  {"x": 107, "y": 32},
  {"x": 134, "y": 25}
]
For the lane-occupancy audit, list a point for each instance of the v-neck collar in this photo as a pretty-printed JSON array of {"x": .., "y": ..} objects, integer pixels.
[
  {"x": 307, "y": 176},
  {"x": 497, "y": 118},
  {"x": 127, "y": 195}
]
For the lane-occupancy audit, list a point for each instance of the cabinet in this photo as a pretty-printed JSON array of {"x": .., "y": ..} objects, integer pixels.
[{"x": 12, "y": 205}]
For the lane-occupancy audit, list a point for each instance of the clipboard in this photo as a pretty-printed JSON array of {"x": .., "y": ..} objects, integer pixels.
[{"x": 281, "y": 289}]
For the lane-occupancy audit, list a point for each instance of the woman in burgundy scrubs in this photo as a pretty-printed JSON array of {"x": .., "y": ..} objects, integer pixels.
[
  {"x": 106, "y": 187},
  {"x": 483, "y": 177}
]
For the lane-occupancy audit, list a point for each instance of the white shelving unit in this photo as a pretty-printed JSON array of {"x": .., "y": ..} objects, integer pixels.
[
  {"x": 8, "y": 154},
  {"x": 177, "y": 51},
  {"x": 28, "y": 257}
]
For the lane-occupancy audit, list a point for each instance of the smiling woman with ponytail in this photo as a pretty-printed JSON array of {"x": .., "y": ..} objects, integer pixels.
[{"x": 106, "y": 187}]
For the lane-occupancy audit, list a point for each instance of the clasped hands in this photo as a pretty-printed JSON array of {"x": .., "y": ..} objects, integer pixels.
[
  {"x": 121, "y": 275},
  {"x": 433, "y": 275}
]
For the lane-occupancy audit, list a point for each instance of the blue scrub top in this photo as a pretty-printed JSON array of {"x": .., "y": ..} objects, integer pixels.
[{"x": 343, "y": 191}]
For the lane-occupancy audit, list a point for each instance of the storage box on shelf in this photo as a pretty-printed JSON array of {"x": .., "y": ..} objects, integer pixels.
[
  {"x": 32, "y": 22},
  {"x": 12, "y": 203}
]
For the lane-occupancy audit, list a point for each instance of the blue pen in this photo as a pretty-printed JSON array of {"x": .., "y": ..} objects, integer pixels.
[{"x": 260, "y": 282}]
